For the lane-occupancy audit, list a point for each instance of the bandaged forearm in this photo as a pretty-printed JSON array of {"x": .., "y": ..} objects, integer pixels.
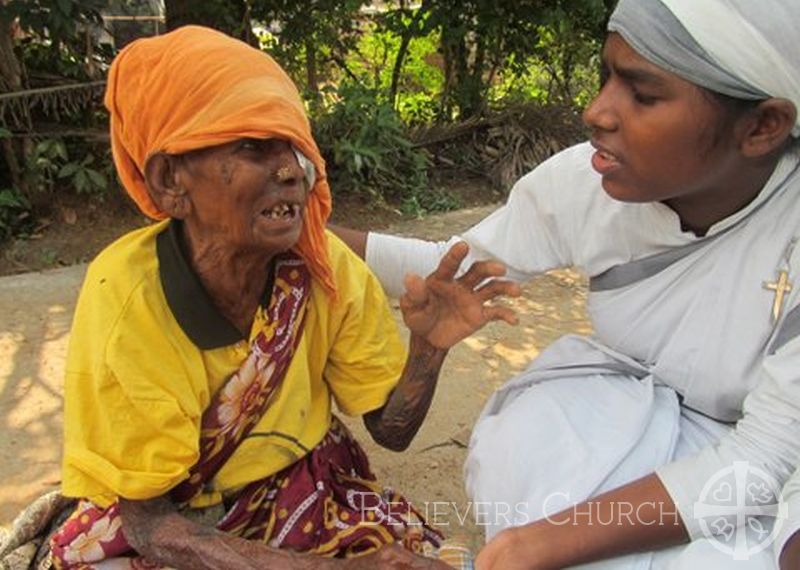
[{"x": 390, "y": 258}]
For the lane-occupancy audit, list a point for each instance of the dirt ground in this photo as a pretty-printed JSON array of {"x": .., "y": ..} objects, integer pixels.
[{"x": 35, "y": 315}]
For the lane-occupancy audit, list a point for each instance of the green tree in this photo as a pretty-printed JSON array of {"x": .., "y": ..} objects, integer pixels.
[
  {"x": 51, "y": 38},
  {"x": 571, "y": 33},
  {"x": 316, "y": 33},
  {"x": 62, "y": 23},
  {"x": 408, "y": 24},
  {"x": 479, "y": 39}
]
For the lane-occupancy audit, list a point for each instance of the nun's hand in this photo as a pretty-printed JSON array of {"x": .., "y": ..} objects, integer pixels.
[{"x": 511, "y": 549}]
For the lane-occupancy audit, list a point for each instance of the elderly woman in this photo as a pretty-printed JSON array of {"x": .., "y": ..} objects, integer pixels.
[{"x": 207, "y": 348}]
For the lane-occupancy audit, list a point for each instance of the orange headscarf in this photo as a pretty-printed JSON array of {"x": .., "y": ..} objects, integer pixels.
[{"x": 195, "y": 88}]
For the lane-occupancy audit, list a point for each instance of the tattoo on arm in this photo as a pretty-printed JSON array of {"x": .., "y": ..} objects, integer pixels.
[{"x": 395, "y": 424}]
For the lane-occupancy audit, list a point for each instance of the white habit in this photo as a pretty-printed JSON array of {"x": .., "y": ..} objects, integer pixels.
[{"x": 687, "y": 373}]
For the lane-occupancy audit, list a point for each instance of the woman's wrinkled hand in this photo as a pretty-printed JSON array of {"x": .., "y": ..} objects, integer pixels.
[
  {"x": 393, "y": 557},
  {"x": 444, "y": 310}
]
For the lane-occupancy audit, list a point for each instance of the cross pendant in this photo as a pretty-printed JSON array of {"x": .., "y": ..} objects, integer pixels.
[{"x": 781, "y": 287}]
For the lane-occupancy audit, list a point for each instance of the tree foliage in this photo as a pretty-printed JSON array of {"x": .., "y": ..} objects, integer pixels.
[
  {"x": 478, "y": 44},
  {"x": 370, "y": 72},
  {"x": 60, "y": 21},
  {"x": 44, "y": 45},
  {"x": 229, "y": 16},
  {"x": 312, "y": 34},
  {"x": 481, "y": 39}
]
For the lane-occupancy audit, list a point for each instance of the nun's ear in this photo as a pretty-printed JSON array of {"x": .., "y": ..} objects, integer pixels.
[
  {"x": 163, "y": 183},
  {"x": 768, "y": 128}
]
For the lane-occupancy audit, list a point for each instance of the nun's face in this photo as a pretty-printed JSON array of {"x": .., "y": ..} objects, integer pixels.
[{"x": 658, "y": 137}]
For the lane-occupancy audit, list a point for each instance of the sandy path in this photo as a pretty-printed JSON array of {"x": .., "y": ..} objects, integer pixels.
[{"x": 35, "y": 314}]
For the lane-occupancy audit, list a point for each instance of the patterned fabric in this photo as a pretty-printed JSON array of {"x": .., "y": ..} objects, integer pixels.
[
  {"x": 238, "y": 406},
  {"x": 457, "y": 554},
  {"x": 19, "y": 545},
  {"x": 329, "y": 504}
]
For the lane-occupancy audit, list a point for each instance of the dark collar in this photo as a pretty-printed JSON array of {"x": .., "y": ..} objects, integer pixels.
[{"x": 188, "y": 300}]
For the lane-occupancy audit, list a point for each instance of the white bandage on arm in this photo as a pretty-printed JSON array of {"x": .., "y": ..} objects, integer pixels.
[{"x": 391, "y": 258}]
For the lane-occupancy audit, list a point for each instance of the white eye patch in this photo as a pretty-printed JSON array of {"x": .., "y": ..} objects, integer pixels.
[{"x": 307, "y": 166}]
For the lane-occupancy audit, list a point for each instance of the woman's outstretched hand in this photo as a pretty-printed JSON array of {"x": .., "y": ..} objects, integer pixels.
[{"x": 444, "y": 310}]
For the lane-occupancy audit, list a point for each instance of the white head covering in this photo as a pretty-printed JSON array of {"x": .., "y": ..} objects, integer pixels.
[{"x": 743, "y": 48}]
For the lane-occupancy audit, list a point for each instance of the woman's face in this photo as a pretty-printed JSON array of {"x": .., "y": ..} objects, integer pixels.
[
  {"x": 658, "y": 137},
  {"x": 248, "y": 195}
]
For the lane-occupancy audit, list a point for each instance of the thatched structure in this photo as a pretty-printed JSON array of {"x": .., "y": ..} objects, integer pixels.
[
  {"x": 504, "y": 145},
  {"x": 17, "y": 106}
]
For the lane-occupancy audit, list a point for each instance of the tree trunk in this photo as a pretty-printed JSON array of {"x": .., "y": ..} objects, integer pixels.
[
  {"x": 10, "y": 68},
  {"x": 312, "y": 78},
  {"x": 468, "y": 77},
  {"x": 464, "y": 63},
  {"x": 411, "y": 31},
  {"x": 399, "y": 60},
  {"x": 449, "y": 56},
  {"x": 478, "y": 87},
  {"x": 11, "y": 80}
]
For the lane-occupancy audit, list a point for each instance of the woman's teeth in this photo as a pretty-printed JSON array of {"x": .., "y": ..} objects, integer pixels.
[{"x": 282, "y": 211}]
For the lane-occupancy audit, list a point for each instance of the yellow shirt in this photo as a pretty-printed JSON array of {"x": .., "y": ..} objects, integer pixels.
[{"x": 148, "y": 350}]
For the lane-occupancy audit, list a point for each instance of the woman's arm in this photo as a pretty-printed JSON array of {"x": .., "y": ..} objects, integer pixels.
[
  {"x": 156, "y": 530},
  {"x": 543, "y": 226},
  {"x": 440, "y": 311},
  {"x": 355, "y": 239},
  {"x": 391, "y": 258},
  {"x": 638, "y": 516},
  {"x": 395, "y": 424}
]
